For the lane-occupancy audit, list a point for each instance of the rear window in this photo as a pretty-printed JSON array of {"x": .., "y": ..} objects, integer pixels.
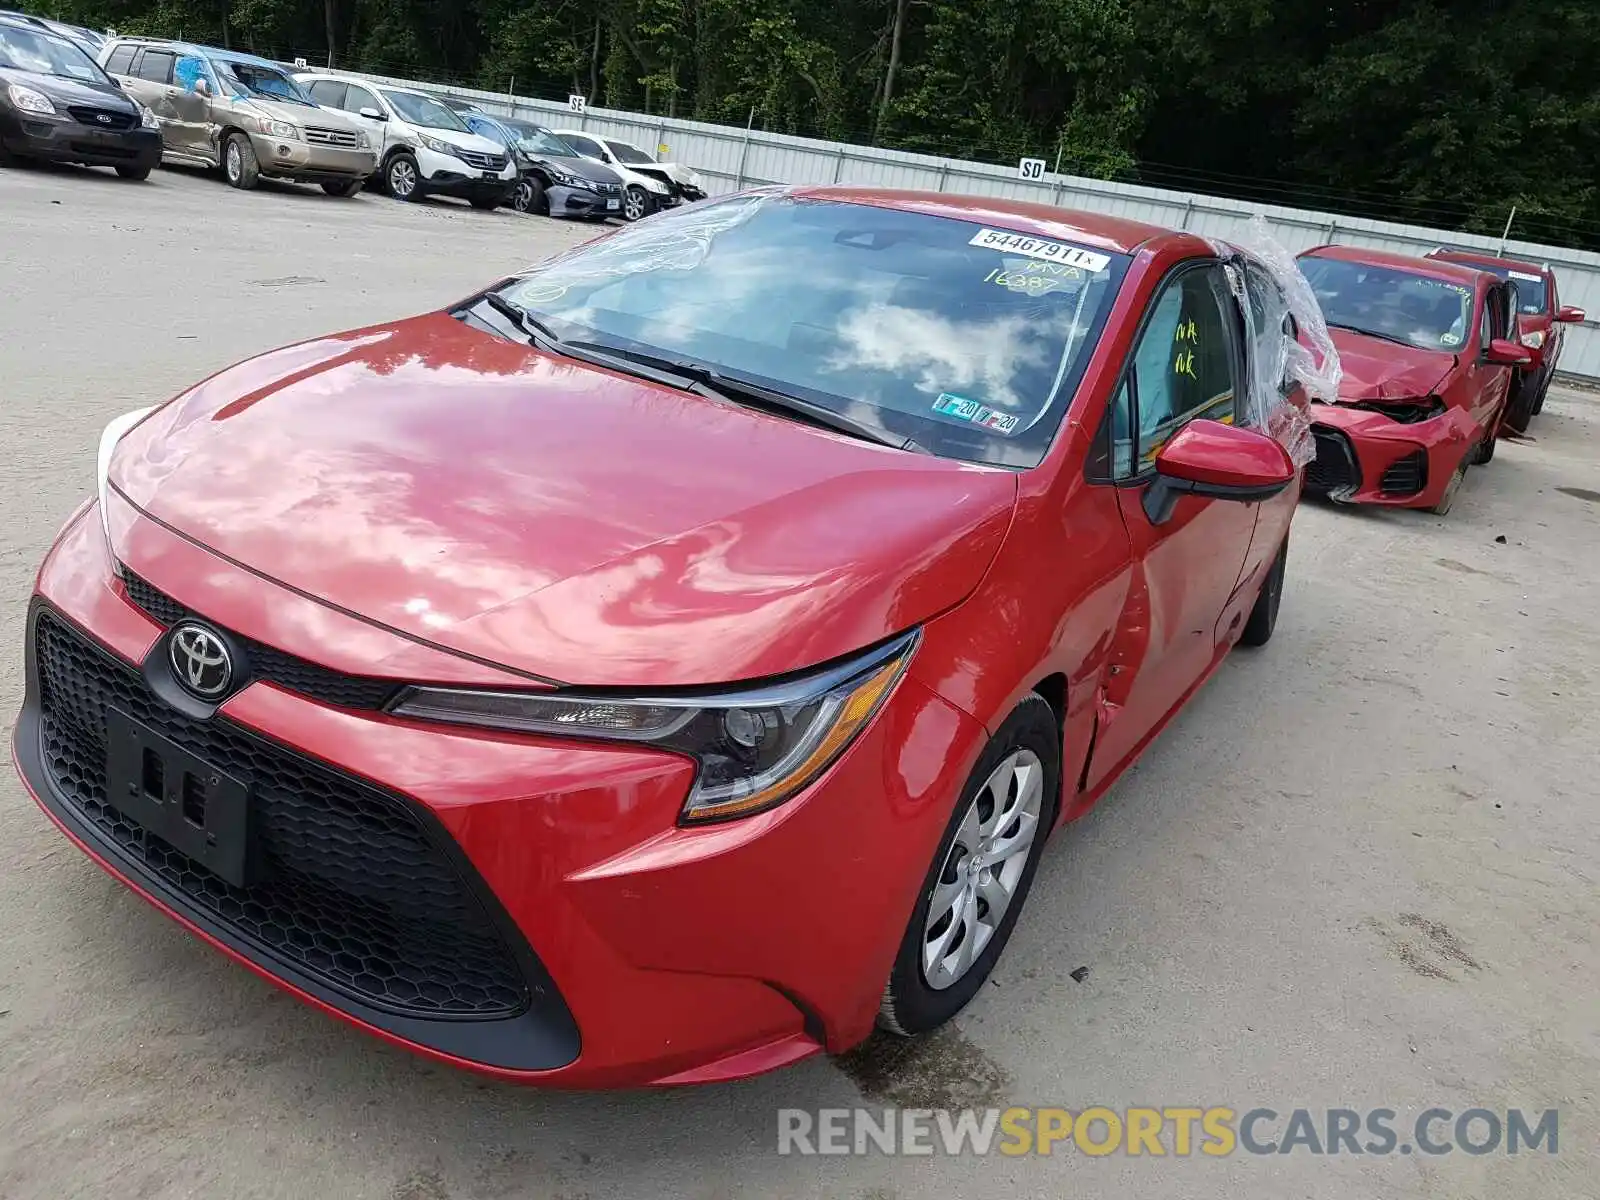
[
  {"x": 121, "y": 59},
  {"x": 156, "y": 66},
  {"x": 968, "y": 339}
]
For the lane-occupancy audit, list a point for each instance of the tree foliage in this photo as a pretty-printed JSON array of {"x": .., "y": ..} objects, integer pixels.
[{"x": 1442, "y": 112}]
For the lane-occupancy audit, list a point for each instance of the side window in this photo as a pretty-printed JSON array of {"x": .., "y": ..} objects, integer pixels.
[
  {"x": 1183, "y": 366},
  {"x": 156, "y": 66},
  {"x": 1486, "y": 323},
  {"x": 585, "y": 145},
  {"x": 358, "y": 98},
  {"x": 188, "y": 71},
  {"x": 328, "y": 92},
  {"x": 119, "y": 62}
]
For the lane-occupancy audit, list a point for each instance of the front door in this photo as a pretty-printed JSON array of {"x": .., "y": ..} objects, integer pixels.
[
  {"x": 191, "y": 94},
  {"x": 358, "y": 102},
  {"x": 1187, "y": 364},
  {"x": 149, "y": 83},
  {"x": 1486, "y": 383}
]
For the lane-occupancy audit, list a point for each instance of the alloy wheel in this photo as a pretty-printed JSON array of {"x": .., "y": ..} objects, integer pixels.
[
  {"x": 983, "y": 869},
  {"x": 233, "y": 161},
  {"x": 402, "y": 178},
  {"x": 634, "y": 204}
]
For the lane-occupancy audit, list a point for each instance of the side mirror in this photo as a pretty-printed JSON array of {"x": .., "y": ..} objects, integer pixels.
[
  {"x": 202, "y": 88},
  {"x": 373, "y": 114},
  {"x": 1217, "y": 462},
  {"x": 117, "y": 83},
  {"x": 1506, "y": 353},
  {"x": 1571, "y": 316}
]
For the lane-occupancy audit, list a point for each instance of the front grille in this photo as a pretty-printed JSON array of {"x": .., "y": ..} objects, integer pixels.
[
  {"x": 330, "y": 137},
  {"x": 1334, "y": 472},
  {"x": 1406, "y": 476},
  {"x": 482, "y": 162},
  {"x": 608, "y": 189},
  {"x": 274, "y": 666},
  {"x": 351, "y": 888},
  {"x": 102, "y": 118}
]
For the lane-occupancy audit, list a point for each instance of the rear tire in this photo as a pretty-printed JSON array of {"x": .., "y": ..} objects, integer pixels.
[
  {"x": 485, "y": 203},
  {"x": 239, "y": 165},
  {"x": 351, "y": 187},
  {"x": 1264, "y": 616},
  {"x": 137, "y": 174},
  {"x": 1544, "y": 387},
  {"x": 1009, "y": 801}
]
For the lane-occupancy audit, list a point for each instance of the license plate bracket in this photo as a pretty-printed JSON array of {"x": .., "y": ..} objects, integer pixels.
[
  {"x": 491, "y": 174},
  {"x": 177, "y": 796},
  {"x": 613, "y": 205}
]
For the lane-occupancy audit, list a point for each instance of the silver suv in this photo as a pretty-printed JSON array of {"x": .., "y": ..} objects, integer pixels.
[{"x": 218, "y": 108}]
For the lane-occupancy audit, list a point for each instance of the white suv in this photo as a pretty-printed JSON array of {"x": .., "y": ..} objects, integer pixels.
[
  {"x": 424, "y": 148},
  {"x": 643, "y": 192}
]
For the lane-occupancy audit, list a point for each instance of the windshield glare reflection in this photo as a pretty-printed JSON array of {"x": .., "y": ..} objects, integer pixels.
[{"x": 893, "y": 318}]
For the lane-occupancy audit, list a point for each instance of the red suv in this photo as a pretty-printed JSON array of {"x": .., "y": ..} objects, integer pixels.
[
  {"x": 1541, "y": 325},
  {"x": 1427, "y": 353}
]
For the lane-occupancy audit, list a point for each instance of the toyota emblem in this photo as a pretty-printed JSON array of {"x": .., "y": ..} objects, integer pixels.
[{"x": 201, "y": 661}]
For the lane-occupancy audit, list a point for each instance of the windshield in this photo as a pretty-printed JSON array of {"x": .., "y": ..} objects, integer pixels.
[
  {"x": 46, "y": 54},
  {"x": 534, "y": 140},
  {"x": 252, "y": 80},
  {"x": 629, "y": 154},
  {"x": 424, "y": 111},
  {"x": 968, "y": 340},
  {"x": 1532, "y": 300},
  {"x": 1386, "y": 302}
]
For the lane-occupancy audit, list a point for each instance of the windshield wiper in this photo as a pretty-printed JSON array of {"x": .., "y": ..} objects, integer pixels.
[
  {"x": 756, "y": 395},
  {"x": 1386, "y": 337}
]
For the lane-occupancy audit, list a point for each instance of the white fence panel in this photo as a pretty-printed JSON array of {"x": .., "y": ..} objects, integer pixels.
[{"x": 730, "y": 159}]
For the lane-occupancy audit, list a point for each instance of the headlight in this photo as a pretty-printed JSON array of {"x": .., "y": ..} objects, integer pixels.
[
  {"x": 1534, "y": 338},
  {"x": 434, "y": 144},
  {"x": 562, "y": 179},
  {"x": 361, "y": 141},
  {"x": 113, "y": 434},
  {"x": 147, "y": 118},
  {"x": 278, "y": 129},
  {"x": 653, "y": 184},
  {"x": 29, "y": 100},
  {"x": 756, "y": 747}
]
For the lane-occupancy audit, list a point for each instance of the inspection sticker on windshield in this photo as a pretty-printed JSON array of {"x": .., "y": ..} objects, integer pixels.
[
  {"x": 950, "y": 405},
  {"x": 1032, "y": 247}
]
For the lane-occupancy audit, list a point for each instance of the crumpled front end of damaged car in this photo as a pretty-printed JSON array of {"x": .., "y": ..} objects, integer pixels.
[{"x": 1399, "y": 451}]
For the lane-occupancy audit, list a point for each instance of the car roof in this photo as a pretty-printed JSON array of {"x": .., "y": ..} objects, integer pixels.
[
  {"x": 1428, "y": 268},
  {"x": 1446, "y": 254},
  {"x": 1100, "y": 230}
]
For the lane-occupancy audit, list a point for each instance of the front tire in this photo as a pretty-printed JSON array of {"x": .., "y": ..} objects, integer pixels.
[
  {"x": 980, "y": 875},
  {"x": 530, "y": 198},
  {"x": 401, "y": 178},
  {"x": 1544, "y": 388},
  {"x": 635, "y": 203},
  {"x": 239, "y": 163},
  {"x": 1519, "y": 406},
  {"x": 1264, "y": 616},
  {"x": 1453, "y": 488},
  {"x": 349, "y": 188}
]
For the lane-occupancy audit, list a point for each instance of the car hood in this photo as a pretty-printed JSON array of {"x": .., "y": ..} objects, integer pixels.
[
  {"x": 1375, "y": 369},
  {"x": 560, "y": 520},
  {"x": 583, "y": 168},
  {"x": 70, "y": 91},
  {"x": 300, "y": 114}
]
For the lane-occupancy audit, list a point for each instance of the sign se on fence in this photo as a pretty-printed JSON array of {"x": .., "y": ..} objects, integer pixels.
[
  {"x": 1031, "y": 169},
  {"x": 577, "y": 104},
  {"x": 301, "y": 63}
]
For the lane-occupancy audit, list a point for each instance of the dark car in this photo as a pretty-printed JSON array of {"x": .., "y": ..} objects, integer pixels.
[
  {"x": 87, "y": 38},
  {"x": 56, "y": 103},
  {"x": 554, "y": 179}
]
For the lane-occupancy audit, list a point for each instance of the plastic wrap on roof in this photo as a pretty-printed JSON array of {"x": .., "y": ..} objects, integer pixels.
[
  {"x": 1277, "y": 302},
  {"x": 673, "y": 241}
]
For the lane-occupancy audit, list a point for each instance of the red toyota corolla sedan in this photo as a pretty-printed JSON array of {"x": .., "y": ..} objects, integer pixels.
[
  {"x": 668, "y": 663},
  {"x": 1427, "y": 350}
]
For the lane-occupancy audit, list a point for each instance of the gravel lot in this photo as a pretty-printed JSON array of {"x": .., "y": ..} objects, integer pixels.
[{"x": 1360, "y": 870}]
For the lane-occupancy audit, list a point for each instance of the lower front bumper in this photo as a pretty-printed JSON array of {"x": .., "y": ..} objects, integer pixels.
[
  {"x": 651, "y": 953},
  {"x": 61, "y": 140},
  {"x": 1365, "y": 457},
  {"x": 307, "y": 163}
]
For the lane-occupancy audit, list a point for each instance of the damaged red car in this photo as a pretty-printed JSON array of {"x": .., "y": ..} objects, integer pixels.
[
  {"x": 1427, "y": 350},
  {"x": 1541, "y": 326},
  {"x": 623, "y": 677}
]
